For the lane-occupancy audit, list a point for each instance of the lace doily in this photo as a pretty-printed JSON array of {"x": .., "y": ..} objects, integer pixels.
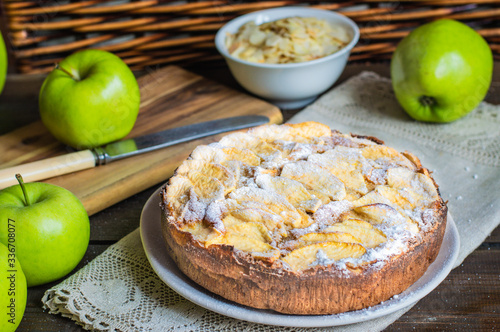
[{"x": 119, "y": 291}]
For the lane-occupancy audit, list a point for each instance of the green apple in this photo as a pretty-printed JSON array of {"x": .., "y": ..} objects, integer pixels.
[
  {"x": 51, "y": 228},
  {"x": 90, "y": 99},
  {"x": 441, "y": 71},
  {"x": 3, "y": 63},
  {"x": 13, "y": 288}
]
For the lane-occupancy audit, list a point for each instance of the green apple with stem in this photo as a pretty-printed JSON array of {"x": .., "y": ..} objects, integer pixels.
[
  {"x": 441, "y": 71},
  {"x": 90, "y": 99},
  {"x": 50, "y": 226},
  {"x": 3, "y": 63},
  {"x": 13, "y": 288}
]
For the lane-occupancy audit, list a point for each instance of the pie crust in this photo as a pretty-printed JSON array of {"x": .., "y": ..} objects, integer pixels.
[{"x": 302, "y": 220}]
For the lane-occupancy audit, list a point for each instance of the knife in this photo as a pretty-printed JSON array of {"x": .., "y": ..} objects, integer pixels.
[{"x": 80, "y": 160}]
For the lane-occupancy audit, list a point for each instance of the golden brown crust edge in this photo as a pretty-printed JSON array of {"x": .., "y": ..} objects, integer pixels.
[{"x": 242, "y": 280}]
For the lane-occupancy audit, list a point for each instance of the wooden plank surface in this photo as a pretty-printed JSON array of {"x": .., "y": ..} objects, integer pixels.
[{"x": 170, "y": 97}]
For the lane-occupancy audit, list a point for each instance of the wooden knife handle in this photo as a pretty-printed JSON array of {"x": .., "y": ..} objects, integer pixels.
[{"x": 47, "y": 168}]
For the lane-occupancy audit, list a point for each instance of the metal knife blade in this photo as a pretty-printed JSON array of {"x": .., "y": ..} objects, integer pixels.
[
  {"x": 134, "y": 146},
  {"x": 80, "y": 160}
]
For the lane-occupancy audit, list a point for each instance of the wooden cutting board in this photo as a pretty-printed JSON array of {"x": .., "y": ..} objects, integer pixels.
[{"x": 170, "y": 97}]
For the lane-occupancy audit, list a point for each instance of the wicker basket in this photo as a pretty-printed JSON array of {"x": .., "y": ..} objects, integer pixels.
[{"x": 151, "y": 33}]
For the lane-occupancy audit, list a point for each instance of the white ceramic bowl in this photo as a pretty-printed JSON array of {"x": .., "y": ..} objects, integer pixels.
[{"x": 289, "y": 85}]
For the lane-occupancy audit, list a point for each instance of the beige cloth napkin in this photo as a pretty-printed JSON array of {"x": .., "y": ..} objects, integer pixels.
[{"x": 118, "y": 291}]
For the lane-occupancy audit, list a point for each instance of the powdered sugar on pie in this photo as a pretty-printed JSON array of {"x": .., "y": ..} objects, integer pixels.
[{"x": 294, "y": 200}]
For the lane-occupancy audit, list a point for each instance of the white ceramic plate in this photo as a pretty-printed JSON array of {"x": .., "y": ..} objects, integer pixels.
[{"x": 164, "y": 266}]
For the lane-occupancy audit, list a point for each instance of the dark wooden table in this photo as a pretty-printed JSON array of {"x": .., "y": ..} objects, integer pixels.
[{"x": 468, "y": 299}]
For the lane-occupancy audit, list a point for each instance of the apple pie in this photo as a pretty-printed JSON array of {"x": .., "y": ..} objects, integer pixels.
[{"x": 302, "y": 220}]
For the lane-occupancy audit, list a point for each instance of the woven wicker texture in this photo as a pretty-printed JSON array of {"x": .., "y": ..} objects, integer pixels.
[{"x": 151, "y": 33}]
